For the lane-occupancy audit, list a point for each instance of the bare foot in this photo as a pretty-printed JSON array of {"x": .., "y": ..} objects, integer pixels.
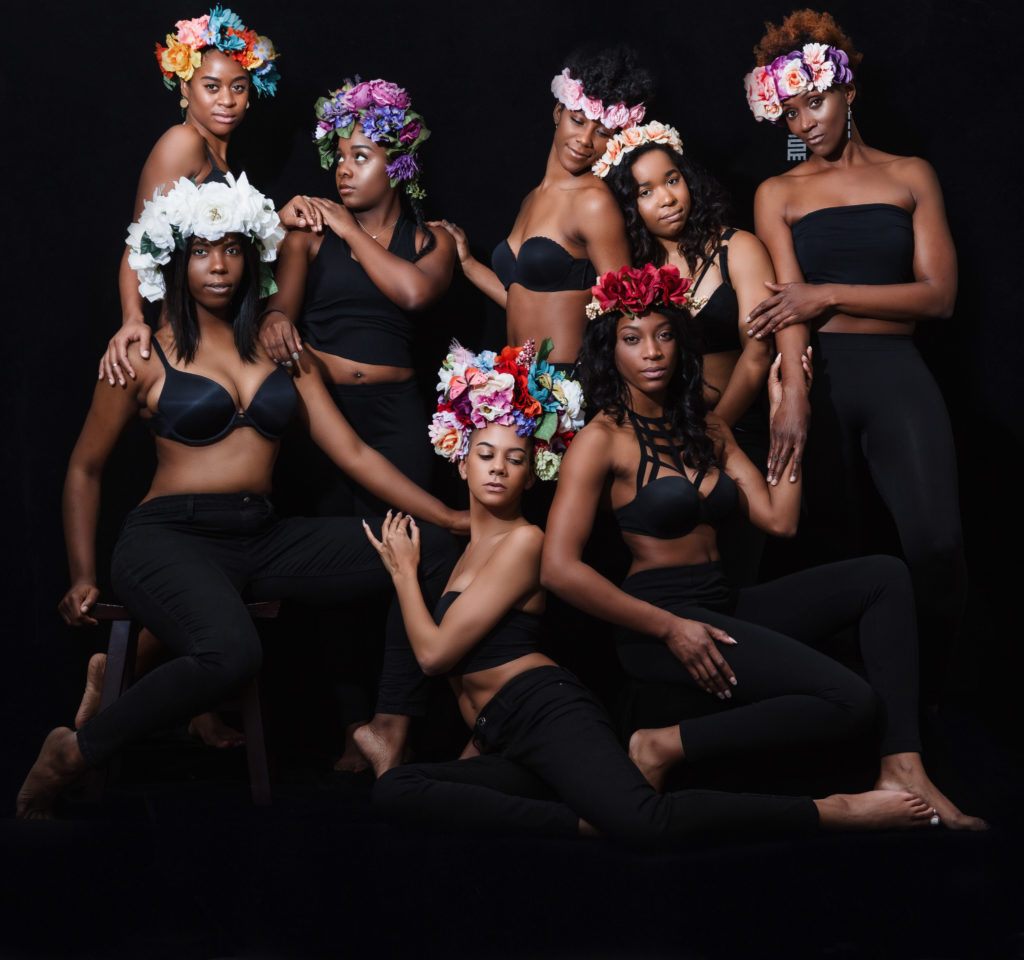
[
  {"x": 214, "y": 732},
  {"x": 90, "y": 704},
  {"x": 383, "y": 741},
  {"x": 351, "y": 761},
  {"x": 876, "y": 810},
  {"x": 58, "y": 763},
  {"x": 655, "y": 752},
  {"x": 904, "y": 771}
]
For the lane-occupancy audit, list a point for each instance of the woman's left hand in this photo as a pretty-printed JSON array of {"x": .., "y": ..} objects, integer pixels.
[
  {"x": 300, "y": 214},
  {"x": 791, "y": 303},
  {"x": 399, "y": 544},
  {"x": 775, "y": 393},
  {"x": 336, "y": 215}
]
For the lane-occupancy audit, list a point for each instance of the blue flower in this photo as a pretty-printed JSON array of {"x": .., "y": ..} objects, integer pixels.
[
  {"x": 524, "y": 425},
  {"x": 221, "y": 20},
  {"x": 542, "y": 394},
  {"x": 265, "y": 80}
]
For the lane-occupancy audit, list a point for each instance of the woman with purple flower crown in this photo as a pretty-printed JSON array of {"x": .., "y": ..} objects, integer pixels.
[
  {"x": 214, "y": 62},
  {"x": 862, "y": 251}
]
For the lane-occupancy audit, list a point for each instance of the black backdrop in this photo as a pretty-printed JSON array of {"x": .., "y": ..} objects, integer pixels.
[{"x": 84, "y": 103}]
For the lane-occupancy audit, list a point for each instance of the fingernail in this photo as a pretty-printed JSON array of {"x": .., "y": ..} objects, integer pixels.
[
  {"x": 727, "y": 695},
  {"x": 145, "y": 353},
  {"x": 721, "y": 696},
  {"x": 295, "y": 356},
  {"x": 732, "y": 680}
]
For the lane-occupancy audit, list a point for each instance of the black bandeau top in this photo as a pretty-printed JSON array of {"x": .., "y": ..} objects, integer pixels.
[
  {"x": 515, "y": 635},
  {"x": 542, "y": 265},
  {"x": 196, "y": 410},
  {"x": 670, "y": 506},
  {"x": 863, "y": 243},
  {"x": 346, "y": 314},
  {"x": 717, "y": 321}
]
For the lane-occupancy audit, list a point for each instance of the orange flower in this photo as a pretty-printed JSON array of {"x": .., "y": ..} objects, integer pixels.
[{"x": 178, "y": 59}]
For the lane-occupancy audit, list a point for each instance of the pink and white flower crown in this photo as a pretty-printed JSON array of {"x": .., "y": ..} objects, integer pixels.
[
  {"x": 569, "y": 91},
  {"x": 816, "y": 67},
  {"x": 629, "y": 139}
]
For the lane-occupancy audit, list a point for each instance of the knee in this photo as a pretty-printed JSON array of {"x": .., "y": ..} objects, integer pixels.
[
  {"x": 860, "y": 706},
  {"x": 233, "y": 659}
]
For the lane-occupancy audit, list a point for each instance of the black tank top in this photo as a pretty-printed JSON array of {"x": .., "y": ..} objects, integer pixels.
[
  {"x": 717, "y": 321},
  {"x": 346, "y": 314},
  {"x": 515, "y": 635}
]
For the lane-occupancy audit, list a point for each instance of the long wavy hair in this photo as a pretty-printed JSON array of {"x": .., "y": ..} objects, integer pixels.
[
  {"x": 685, "y": 409},
  {"x": 180, "y": 306},
  {"x": 704, "y": 225}
]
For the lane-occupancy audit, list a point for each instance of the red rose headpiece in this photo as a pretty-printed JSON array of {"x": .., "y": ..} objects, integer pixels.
[{"x": 636, "y": 290}]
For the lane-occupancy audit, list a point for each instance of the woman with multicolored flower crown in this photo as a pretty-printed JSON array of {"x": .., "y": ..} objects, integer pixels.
[
  {"x": 206, "y": 529},
  {"x": 568, "y": 228},
  {"x": 214, "y": 62},
  {"x": 544, "y": 757},
  {"x": 347, "y": 296},
  {"x": 862, "y": 252},
  {"x": 675, "y": 213},
  {"x": 672, "y": 472}
]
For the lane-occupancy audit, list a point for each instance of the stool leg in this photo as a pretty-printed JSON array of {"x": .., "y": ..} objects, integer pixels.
[{"x": 255, "y": 747}]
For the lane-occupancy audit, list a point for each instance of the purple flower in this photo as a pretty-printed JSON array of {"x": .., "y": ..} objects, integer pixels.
[
  {"x": 410, "y": 132},
  {"x": 388, "y": 94},
  {"x": 842, "y": 62},
  {"x": 524, "y": 425},
  {"x": 404, "y": 167}
]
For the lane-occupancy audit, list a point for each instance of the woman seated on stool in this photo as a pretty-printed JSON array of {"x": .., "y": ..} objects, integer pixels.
[{"x": 206, "y": 530}]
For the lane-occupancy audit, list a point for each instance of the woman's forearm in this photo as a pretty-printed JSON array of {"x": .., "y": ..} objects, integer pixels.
[
  {"x": 80, "y": 506},
  {"x": 485, "y": 280},
  {"x": 131, "y": 299}
]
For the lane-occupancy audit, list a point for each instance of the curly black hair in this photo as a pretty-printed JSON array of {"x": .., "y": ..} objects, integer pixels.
[
  {"x": 180, "y": 305},
  {"x": 612, "y": 75},
  {"x": 685, "y": 408},
  {"x": 708, "y": 210}
]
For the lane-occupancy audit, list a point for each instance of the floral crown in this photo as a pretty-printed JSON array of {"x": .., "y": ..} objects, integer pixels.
[
  {"x": 816, "y": 67},
  {"x": 209, "y": 211},
  {"x": 636, "y": 290},
  {"x": 514, "y": 388},
  {"x": 383, "y": 110},
  {"x": 224, "y": 30},
  {"x": 569, "y": 91},
  {"x": 629, "y": 139}
]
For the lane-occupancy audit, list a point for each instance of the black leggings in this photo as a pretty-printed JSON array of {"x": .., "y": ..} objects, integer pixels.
[
  {"x": 550, "y": 757},
  {"x": 787, "y": 692},
  {"x": 181, "y": 566},
  {"x": 874, "y": 400}
]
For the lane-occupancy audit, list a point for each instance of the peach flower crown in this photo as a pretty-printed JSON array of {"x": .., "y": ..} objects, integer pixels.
[
  {"x": 569, "y": 91},
  {"x": 629, "y": 139},
  {"x": 816, "y": 67},
  {"x": 634, "y": 291}
]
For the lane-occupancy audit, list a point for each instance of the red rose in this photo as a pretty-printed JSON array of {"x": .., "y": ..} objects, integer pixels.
[{"x": 674, "y": 288}]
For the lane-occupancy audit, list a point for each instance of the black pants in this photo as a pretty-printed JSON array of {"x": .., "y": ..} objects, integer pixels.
[
  {"x": 550, "y": 757},
  {"x": 875, "y": 401},
  {"x": 787, "y": 692},
  {"x": 182, "y": 565}
]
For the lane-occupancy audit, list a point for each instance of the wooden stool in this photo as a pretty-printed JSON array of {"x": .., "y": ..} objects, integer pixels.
[{"x": 120, "y": 673}]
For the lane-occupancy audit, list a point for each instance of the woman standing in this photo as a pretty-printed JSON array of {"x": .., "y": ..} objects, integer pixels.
[{"x": 862, "y": 252}]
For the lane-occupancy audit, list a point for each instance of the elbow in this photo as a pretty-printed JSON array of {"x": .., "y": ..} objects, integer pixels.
[
  {"x": 552, "y": 574},
  {"x": 433, "y": 666},
  {"x": 415, "y": 300},
  {"x": 785, "y": 530}
]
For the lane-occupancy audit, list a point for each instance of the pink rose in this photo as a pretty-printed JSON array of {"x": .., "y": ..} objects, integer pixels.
[
  {"x": 359, "y": 97},
  {"x": 631, "y": 137},
  {"x": 613, "y": 153},
  {"x": 657, "y": 132},
  {"x": 762, "y": 97},
  {"x": 592, "y": 109},
  {"x": 824, "y": 76},
  {"x": 616, "y": 116},
  {"x": 636, "y": 114},
  {"x": 815, "y": 55},
  {"x": 790, "y": 78},
  {"x": 388, "y": 94},
  {"x": 600, "y": 169},
  {"x": 193, "y": 32}
]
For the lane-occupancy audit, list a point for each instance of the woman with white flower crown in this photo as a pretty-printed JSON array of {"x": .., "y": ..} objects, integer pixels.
[
  {"x": 862, "y": 252},
  {"x": 214, "y": 62},
  {"x": 569, "y": 228},
  {"x": 206, "y": 530},
  {"x": 544, "y": 757}
]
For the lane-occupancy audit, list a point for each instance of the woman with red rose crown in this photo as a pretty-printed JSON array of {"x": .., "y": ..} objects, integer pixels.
[
  {"x": 544, "y": 757},
  {"x": 672, "y": 472}
]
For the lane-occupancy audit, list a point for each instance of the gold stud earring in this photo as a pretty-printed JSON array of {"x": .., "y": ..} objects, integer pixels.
[{"x": 183, "y": 103}]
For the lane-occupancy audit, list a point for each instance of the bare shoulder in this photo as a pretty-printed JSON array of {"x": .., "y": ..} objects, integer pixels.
[
  {"x": 180, "y": 141},
  {"x": 445, "y": 243},
  {"x": 744, "y": 244},
  {"x": 594, "y": 199},
  {"x": 774, "y": 193},
  {"x": 524, "y": 539},
  {"x": 917, "y": 173}
]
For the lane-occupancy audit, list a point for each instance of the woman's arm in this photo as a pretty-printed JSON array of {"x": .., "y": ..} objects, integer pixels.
[
  {"x": 482, "y": 277},
  {"x": 333, "y": 434},
  {"x": 509, "y": 577},
  {"x": 278, "y": 335}
]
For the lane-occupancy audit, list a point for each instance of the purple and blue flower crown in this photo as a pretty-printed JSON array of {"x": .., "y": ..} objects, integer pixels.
[{"x": 816, "y": 67}]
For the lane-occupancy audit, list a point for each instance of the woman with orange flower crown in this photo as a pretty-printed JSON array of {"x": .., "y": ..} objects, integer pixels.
[
  {"x": 569, "y": 227},
  {"x": 862, "y": 252},
  {"x": 672, "y": 472},
  {"x": 544, "y": 757},
  {"x": 214, "y": 62}
]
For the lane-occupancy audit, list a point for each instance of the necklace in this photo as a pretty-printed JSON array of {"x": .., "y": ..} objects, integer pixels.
[{"x": 373, "y": 236}]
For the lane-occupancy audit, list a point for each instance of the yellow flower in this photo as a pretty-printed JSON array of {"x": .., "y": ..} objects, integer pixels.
[{"x": 180, "y": 59}]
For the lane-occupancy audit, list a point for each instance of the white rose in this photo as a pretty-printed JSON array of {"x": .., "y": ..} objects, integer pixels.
[
  {"x": 151, "y": 284},
  {"x": 176, "y": 207},
  {"x": 572, "y": 417},
  {"x": 215, "y": 212}
]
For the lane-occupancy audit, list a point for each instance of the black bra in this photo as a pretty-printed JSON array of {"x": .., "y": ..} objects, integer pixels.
[
  {"x": 716, "y": 322},
  {"x": 196, "y": 410},
  {"x": 543, "y": 265},
  {"x": 513, "y": 636},
  {"x": 670, "y": 506}
]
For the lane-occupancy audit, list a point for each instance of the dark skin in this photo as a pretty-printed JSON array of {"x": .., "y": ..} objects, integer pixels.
[
  {"x": 843, "y": 171},
  {"x": 573, "y": 208},
  {"x": 370, "y": 207}
]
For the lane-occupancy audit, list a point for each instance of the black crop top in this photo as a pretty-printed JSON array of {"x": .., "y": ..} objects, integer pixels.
[
  {"x": 717, "y": 321},
  {"x": 346, "y": 314},
  {"x": 196, "y": 410},
  {"x": 513, "y": 636},
  {"x": 543, "y": 265},
  {"x": 863, "y": 243},
  {"x": 670, "y": 506}
]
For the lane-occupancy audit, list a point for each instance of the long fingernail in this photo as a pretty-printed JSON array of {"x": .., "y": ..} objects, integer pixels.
[{"x": 732, "y": 680}]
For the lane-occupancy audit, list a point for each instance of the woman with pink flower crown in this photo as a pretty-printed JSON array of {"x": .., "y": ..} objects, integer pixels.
[
  {"x": 214, "y": 62},
  {"x": 569, "y": 227},
  {"x": 862, "y": 252}
]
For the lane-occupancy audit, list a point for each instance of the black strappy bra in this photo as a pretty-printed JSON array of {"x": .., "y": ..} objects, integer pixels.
[
  {"x": 717, "y": 320},
  {"x": 196, "y": 410},
  {"x": 216, "y": 175},
  {"x": 670, "y": 506},
  {"x": 515, "y": 635},
  {"x": 543, "y": 265}
]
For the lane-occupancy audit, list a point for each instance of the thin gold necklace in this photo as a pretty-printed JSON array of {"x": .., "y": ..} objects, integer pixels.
[{"x": 373, "y": 236}]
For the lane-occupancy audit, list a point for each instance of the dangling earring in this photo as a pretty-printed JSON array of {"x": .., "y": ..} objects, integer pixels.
[
  {"x": 849, "y": 122},
  {"x": 183, "y": 103}
]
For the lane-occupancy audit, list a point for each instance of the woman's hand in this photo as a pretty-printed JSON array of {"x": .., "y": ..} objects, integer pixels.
[
  {"x": 114, "y": 364},
  {"x": 336, "y": 215},
  {"x": 279, "y": 337},
  {"x": 399, "y": 544},
  {"x": 299, "y": 213},
  {"x": 695, "y": 646},
  {"x": 458, "y": 235},
  {"x": 76, "y": 604},
  {"x": 791, "y": 303},
  {"x": 788, "y": 417}
]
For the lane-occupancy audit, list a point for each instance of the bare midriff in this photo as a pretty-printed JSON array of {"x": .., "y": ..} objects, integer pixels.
[
  {"x": 474, "y": 691},
  {"x": 560, "y": 315},
  {"x": 344, "y": 371}
]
